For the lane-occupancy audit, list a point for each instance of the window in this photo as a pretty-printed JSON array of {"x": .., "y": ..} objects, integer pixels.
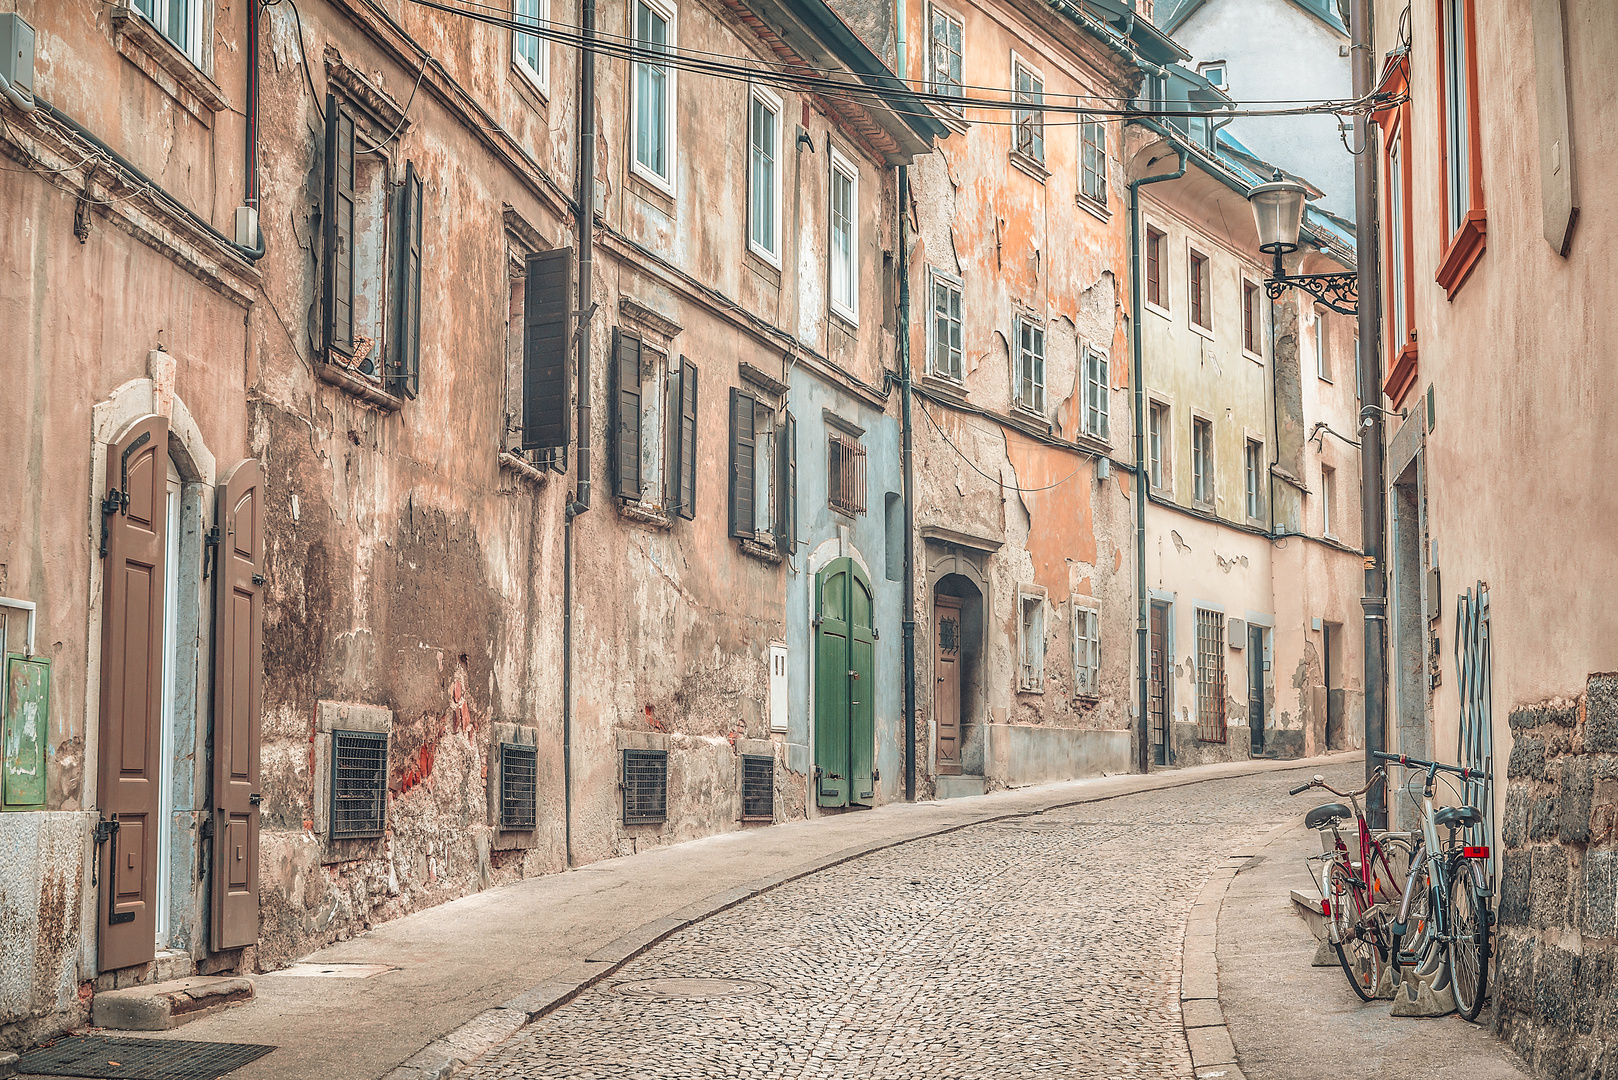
[
  {"x": 178, "y": 20},
  {"x": 946, "y": 54},
  {"x": 1157, "y": 423},
  {"x": 1210, "y": 676},
  {"x": 1029, "y": 93},
  {"x": 1202, "y": 461},
  {"x": 1397, "y": 211},
  {"x": 1154, "y": 267},
  {"x": 653, "y": 91},
  {"x": 1464, "y": 219},
  {"x": 1328, "y": 495},
  {"x": 1214, "y": 72},
  {"x": 845, "y": 473},
  {"x": 763, "y": 471},
  {"x": 845, "y": 273},
  {"x": 1086, "y": 651},
  {"x": 1028, "y": 368},
  {"x": 944, "y": 346},
  {"x": 1322, "y": 346},
  {"x": 1097, "y": 389},
  {"x": 1031, "y": 630},
  {"x": 531, "y": 52},
  {"x": 1252, "y": 319},
  {"x": 763, "y": 176},
  {"x": 1093, "y": 160},
  {"x": 1201, "y": 309},
  {"x": 1255, "y": 478}
]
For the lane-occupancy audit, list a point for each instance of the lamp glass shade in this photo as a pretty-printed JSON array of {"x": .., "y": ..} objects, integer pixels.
[{"x": 1278, "y": 212}]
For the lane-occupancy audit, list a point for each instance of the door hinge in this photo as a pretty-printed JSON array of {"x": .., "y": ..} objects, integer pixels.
[
  {"x": 210, "y": 543},
  {"x": 115, "y": 502}
]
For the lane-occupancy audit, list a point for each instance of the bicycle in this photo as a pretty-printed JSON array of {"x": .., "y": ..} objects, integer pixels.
[
  {"x": 1358, "y": 895},
  {"x": 1453, "y": 914}
]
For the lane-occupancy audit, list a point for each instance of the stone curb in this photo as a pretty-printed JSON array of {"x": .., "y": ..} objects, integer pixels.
[
  {"x": 460, "y": 1047},
  {"x": 1213, "y": 1053}
]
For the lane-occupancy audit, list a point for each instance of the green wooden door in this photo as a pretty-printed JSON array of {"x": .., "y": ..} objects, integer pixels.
[{"x": 845, "y": 688}]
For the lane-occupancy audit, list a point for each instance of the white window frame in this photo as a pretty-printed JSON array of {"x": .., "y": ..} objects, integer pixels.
[
  {"x": 1322, "y": 347},
  {"x": 1036, "y": 398},
  {"x": 1086, "y": 626},
  {"x": 1224, "y": 68},
  {"x": 1097, "y": 374},
  {"x": 850, "y": 309},
  {"x": 1086, "y": 125},
  {"x": 1254, "y": 473},
  {"x": 1255, "y": 355},
  {"x": 670, "y": 14},
  {"x": 1195, "y": 250},
  {"x": 935, "y": 279},
  {"x": 957, "y": 89},
  {"x": 1209, "y": 469},
  {"x": 540, "y": 76},
  {"x": 1328, "y": 484},
  {"x": 1457, "y": 113},
  {"x": 1164, "y": 277},
  {"x": 159, "y": 14},
  {"x": 1037, "y": 100},
  {"x": 760, "y": 95},
  {"x": 1030, "y": 640},
  {"x": 1160, "y": 445}
]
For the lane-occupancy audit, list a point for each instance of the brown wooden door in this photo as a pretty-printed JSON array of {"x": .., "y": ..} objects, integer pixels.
[
  {"x": 132, "y": 691},
  {"x": 238, "y": 613},
  {"x": 1158, "y": 691},
  {"x": 947, "y": 682}
]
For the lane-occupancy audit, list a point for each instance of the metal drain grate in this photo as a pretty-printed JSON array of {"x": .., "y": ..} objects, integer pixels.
[
  {"x": 519, "y": 768},
  {"x": 646, "y": 786},
  {"x": 138, "y": 1059},
  {"x": 359, "y": 783},
  {"x": 758, "y": 787}
]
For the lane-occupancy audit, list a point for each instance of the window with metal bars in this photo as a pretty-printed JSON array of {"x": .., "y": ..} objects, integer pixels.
[
  {"x": 359, "y": 784},
  {"x": 758, "y": 787},
  {"x": 845, "y": 480},
  {"x": 1210, "y": 676},
  {"x": 645, "y": 786},
  {"x": 519, "y": 771}
]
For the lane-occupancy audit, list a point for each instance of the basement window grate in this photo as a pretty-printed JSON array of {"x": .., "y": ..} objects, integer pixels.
[
  {"x": 758, "y": 787},
  {"x": 519, "y": 770},
  {"x": 646, "y": 786},
  {"x": 139, "y": 1059},
  {"x": 359, "y": 784}
]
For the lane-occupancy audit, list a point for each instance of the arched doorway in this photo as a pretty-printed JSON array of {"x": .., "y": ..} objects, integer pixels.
[
  {"x": 845, "y": 686},
  {"x": 957, "y": 625}
]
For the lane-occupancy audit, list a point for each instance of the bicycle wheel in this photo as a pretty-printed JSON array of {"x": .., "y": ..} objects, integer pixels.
[
  {"x": 1361, "y": 957},
  {"x": 1411, "y": 948},
  {"x": 1469, "y": 941}
]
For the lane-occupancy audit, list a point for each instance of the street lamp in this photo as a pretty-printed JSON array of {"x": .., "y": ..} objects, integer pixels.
[{"x": 1278, "y": 213}]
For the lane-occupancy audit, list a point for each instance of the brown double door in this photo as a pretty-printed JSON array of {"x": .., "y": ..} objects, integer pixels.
[{"x": 947, "y": 683}]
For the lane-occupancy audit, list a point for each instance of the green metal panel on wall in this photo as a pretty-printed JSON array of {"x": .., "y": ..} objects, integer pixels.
[{"x": 24, "y": 725}]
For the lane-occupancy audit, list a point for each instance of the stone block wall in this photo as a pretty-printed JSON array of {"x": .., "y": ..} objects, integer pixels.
[{"x": 1557, "y": 935}]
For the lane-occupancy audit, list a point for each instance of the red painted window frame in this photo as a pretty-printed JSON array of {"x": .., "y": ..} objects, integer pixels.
[
  {"x": 1200, "y": 289},
  {"x": 1249, "y": 321},
  {"x": 1154, "y": 265},
  {"x": 1461, "y": 250},
  {"x": 1395, "y": 124}
]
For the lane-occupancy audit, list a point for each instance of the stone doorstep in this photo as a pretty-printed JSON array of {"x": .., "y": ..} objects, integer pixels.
[
  {"x": 165, "y": 1005},
  {"x": 8, "y": 1064},
  {"x": 1307, "y": 905}
]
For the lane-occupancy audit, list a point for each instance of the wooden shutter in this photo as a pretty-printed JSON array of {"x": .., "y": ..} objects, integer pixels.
[
  {"x": 337, "y": 242},
  {"x": 625, "y": 418},
  {"x": 686, "y": 437},
  {"x": 861, "y": 690},
  {"x": 237, "y": 699},
  {"x": 546, "y": 325},
  {"x": 831, "y": 684},
  {"x": 131, "y": 692},
  {"x": 743, "y": 462},
  {"x": 406, "y": 374},
  {"x": 786, "y": 490}
]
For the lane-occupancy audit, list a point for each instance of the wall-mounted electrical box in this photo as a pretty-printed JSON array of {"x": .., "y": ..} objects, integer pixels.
[
  {"x": 17, "y": 53},
  {"x": 1103, "y": 470}
]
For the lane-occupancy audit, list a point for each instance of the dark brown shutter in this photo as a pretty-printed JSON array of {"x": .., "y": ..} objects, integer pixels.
[
  {"x": 238, "y": 616},
  {"x": 743, "y": 460},
  {"x": 686, "y": 438},
  {"x": 625, "y": 420},
  {"x": 786, "y": 488},
  {"x": 337, "y": 249},
  {"x": 406, "y": 374},
  {"x": 131, "y": 692},
  {"x": 546, "y": 325}
]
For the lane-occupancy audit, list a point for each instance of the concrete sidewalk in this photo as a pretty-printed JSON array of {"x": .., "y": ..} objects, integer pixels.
[
  {"x": 532, "y": 945},
  {"x": 1291, "y": 1021}
]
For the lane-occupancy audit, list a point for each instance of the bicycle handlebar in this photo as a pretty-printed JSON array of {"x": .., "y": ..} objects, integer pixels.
[
  {"x": 1300, "y": 788},
  {"x": 1475, "y": 775},
  {"x": 1320, "y": 782}
]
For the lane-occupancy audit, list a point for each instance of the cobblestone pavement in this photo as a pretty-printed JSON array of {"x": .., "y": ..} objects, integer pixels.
[{"x": 1041, "y": 946}]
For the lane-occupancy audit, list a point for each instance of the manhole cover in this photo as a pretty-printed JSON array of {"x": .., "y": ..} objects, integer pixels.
[
  {"x": 139, "y": 1059},
  {"x": 698, "y": 989}
]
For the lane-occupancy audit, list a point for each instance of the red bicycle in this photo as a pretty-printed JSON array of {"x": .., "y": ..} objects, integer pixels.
[{"x": 1361, "y": 892}]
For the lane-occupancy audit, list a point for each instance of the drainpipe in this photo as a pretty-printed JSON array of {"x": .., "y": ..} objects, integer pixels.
[
  {"x": 1372, "y": 501},
  {"x": 1142, "y": 481},
  {"x": 585, "y": 219},
  {"x": 909, "y": 626}
]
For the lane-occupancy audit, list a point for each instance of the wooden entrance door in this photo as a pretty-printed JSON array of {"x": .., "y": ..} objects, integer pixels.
[
  {"x": 1158, "y": 691},
  {"x": 845, "y": 687},
  {"x": 947, "y": 683}
]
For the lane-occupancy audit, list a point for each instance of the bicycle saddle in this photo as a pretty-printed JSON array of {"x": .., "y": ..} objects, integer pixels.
[
  {"x": 1457, "y": 817},
  {"x": 1322, "y": 816}
]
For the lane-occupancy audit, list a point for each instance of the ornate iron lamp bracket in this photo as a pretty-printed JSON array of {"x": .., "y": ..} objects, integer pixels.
[{"x": 1340, "y": 292}]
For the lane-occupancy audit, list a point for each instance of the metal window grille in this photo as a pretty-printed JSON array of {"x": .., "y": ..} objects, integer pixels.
[
  {"x": 646, "y": 786},
  {"x": 519, "y": 773},
  {"x": 359, "y": 783},
  {"x": 845, "y": 485},
  {"x": 758, "y": 787},
  {"x": 1211, "y": 676}
]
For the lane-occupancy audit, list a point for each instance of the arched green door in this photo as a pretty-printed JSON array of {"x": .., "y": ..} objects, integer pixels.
[{"x": 845, "y": 686}]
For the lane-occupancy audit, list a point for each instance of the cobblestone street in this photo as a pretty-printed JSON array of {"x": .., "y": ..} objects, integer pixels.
[{"x": 1046, "y": 945}]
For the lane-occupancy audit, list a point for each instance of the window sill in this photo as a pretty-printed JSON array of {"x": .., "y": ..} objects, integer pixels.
[
  {"x": 944, "y": 386},
  {"x": 1096, "y": 209},
  {"x": 1030, "y": 413},
  {"x": 1205, "y": 507},
  {"x": 645, "y": 515},
  {"x": 1030, "y": 689},
  {"x": 1200, "y": 330},
  {"x": 951, "y": 118},
  {"x": 524, "y": 468},
  {"x": 1401, "y": 375},
  {"x": 759, "y": 550},
  {"x": 143, "y": 45},
  {"x": 763, "y": 266},
  {"x": 1465, "y": 248},
  {"x": 529, "y": 89},
  {"x": 1257, "y": 358},
  {"x": 1156, "y": 309},
  {"x": 849, "y": 320},
  {"x": 661, "y": 189},
  {"x": 850, "y": 514},
  {"x": 1101, "y": 444},
  {"x": 1030, "y": 165},
  {"x": 334, "y": 373}
]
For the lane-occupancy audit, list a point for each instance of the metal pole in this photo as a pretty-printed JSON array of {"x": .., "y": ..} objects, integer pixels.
[
  {"x": 909, "y": 626},
  {"x": 1372, "y": 496}
]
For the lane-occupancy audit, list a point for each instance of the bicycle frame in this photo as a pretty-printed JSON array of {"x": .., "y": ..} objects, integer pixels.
[
  {"x": 1438, "y": 861},
  {"x": 1370, "y": 850}
]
